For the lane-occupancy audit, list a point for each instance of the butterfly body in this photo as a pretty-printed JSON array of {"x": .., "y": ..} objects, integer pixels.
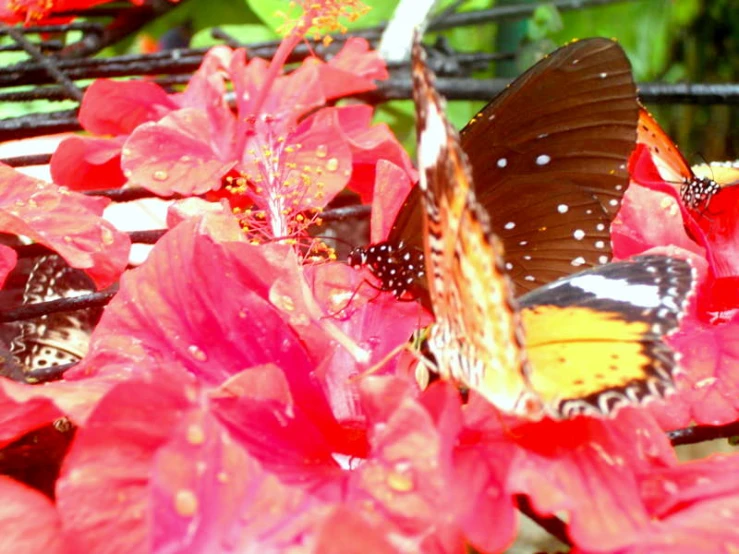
[
  {"x": 696, "y": 191},
  {"x": 586, "y": 344}
]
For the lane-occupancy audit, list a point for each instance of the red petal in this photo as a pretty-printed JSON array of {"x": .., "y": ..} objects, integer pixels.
[
  {"x": 392, "y": 186},
  {"x": 175, "y": 155},
  {"x": 208, "y": 495},
  {"x": 118, "y": 107},
  {"x": 720, "y": 223},
  {"x": 103, "y": 490},
  {"x": 324, "y": 151},
  {"x": 28, "y": 520},
  {"x": 21, "y": 413},
  {"x": 370, "y": 144},
  {"x": 357, "y": 58},
  {"x": 67, "y": 222},
  {"x": 8, "y": 259},
  {"x": 585, "y": 468},
  {"x": 291, "y": 432},
  {"x": 345, "y": 528},
  {"x": 83, "y": 163},
  {"x": 708, "y": 388}
]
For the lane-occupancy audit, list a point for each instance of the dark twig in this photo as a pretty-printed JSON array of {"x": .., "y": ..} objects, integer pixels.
[
  {"x": 702, "y": 433},
  {"x": 47, "y": 374},
  {"x": 552, "y": 525},
  {"x": 24, "y": 161},
  {"x": 47, "y": 62},
  {"x": 511, "y": 11},
  {"x": 38, "y": 309},
  {"x": 147, "y": 237},
  {"x": 346, "y": 212},
  {"x": 125, "y": 195}
]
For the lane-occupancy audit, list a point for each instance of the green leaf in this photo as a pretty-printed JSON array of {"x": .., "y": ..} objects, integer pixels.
[{"x": 246, "y": 34}]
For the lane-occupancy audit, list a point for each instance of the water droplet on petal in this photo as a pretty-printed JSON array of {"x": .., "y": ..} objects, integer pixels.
[
  {"x": 185, "y": 503},
  {"x": 106, "y": 235},
  {"x": 332, "y": 164},
  {"x": 197, "y": 353},
  {"x": 195, "y": 434},
  {"x": 283, "y": 302},
  {"x": 400, "y": 479},
  {"x": 321, "y": 151},
  {"x": 222, "y": 477},
  {"x": 160, "y": 175}
]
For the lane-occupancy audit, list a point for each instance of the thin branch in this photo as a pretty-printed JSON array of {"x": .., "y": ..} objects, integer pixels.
[
  {"x": 552, "y": 525},
  {"x": 346, "y": 212},
  {"x": 25, "y": 161},
  {"x": 512, "y": 11},
  {"x": 47, "y": 374},
  {"x": 703, "y": 433},
  {"x": 47, "y": 62},
  {"x": 38, "y": 309}
]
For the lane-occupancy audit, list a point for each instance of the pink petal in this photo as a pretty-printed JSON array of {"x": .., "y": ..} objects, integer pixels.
[
  {"x": 357, "y": 58},
  {"x": 174, "y": 155},
  {"x": 208, "y": 495},
  {"x": 288, "y": 429},
  {"x": 290, "y": 97},
  {"x": 345, "y": 528},
  {"x": 118, "y": 107},
  {"x": 708, "y": 388},
  {"x": 369, "y": 144},
  {"x": 694, "y": 507},
  {"x": 103, "y": 490},
  {"x": 324, "y": 151},
  {"x": 392, "y": 186},
  {"x": 67, "y": 222},
  {"x": 84, "y": 163},
  {"x": 586, "y": 468},
  {"x": 8, "y": 259},
  {"x": 20, "y": 414},
  {"x": 28, "y": 520}
]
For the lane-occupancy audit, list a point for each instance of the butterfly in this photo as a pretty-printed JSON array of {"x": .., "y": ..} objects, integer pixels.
[
  {"x": 726, "y": 174},
  {"x": 549, "y": 157},
  {"x": 57, "y": 338},
  {"x": 585, "y": 344},
  {"x": 696, "y": 191}
]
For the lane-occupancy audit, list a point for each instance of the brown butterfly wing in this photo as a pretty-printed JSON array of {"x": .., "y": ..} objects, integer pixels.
[{"x": 549, "y": 158}]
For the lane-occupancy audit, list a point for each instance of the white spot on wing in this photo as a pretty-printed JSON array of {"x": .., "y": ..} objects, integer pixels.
[
  {"x": 510, "y": 225},
  {"x": 621, "y": 290},
  {"x": 579, "y": 234},
  {"x": 543, "y": 159},
  {"x": 502, "y": 162},
  {"x": 432, "y": 141},
  {"x": 563, "y": 208}
]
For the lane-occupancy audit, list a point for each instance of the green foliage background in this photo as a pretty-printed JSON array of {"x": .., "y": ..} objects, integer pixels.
[{"x": 666, "y": 40}]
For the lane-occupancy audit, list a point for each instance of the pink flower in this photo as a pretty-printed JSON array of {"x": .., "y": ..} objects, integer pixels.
[{"x": 69, "y": 223}]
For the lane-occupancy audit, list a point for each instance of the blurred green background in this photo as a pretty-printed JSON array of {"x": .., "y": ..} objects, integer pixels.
[{"x": 666, "y": 40}]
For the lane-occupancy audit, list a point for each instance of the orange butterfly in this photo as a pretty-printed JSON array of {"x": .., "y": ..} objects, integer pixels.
[
  {"x": 695, "y": 191},
  {"x": 585, "y": 344}
]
